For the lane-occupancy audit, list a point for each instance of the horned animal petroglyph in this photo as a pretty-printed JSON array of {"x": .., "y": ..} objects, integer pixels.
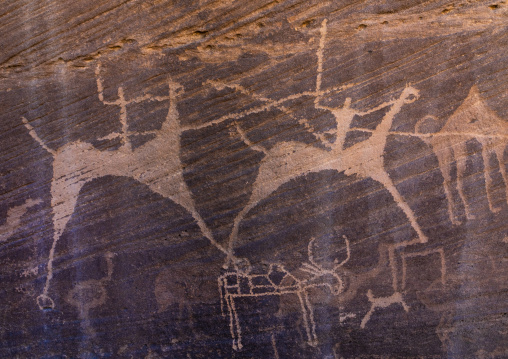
[
  {"x": 239, "y": 282},
  {"x": 155, "y": 163}
]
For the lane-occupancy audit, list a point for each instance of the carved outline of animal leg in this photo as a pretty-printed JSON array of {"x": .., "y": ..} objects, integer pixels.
[
  {"x": 408, "y": 96},
  {"x": 367, "y": 316},
  {"x": 393, "y": 267},
  {"x": 382, "y": 302},
  {"x": 445, "y": 155},
  {"x": 234, "y": 323},
  {"x": 43, "y": 300},
  {"x": 489, "y": 183},
  {"x": 308, "y": 317},
  {"x": 234, "y": 233},
  {"x": 439, "y": 251},
  {"x": 387, "y": 182},
  {"x": 489, "y": 148},
  {"x": 274, "y": 346},
  {"x": 13, "y": 221},
  {"x": 499, "y": 150},
  {"x": 461, "y": 158}
]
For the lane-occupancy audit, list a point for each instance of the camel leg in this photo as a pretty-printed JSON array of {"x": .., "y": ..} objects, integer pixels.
[
  {"x": 64, "y": 197},
  {"x": 487, "y": 169},
  {"x": 502, "y": 167},
  {"x": 234, "y": 235},
  {"x": 444, "y": 156},
  {"x": 383, "y": 177},
  {"x": 461, "y": 157}
]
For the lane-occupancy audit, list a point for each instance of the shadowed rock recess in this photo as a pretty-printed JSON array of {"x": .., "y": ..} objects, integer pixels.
[{"x": 253, "y": 179}]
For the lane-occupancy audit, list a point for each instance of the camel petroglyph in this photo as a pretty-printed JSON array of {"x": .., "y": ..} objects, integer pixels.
[
  {"x": 473, "y": 119},
  {"x": 155, "y": 163},
  {"x": 289, "y": 160}
]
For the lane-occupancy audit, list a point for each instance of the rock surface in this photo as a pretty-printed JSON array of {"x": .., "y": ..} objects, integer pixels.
[{"x": 253, "y": 179}]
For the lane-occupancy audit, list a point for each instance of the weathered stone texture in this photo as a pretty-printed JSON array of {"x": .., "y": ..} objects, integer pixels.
[{"x": 253, "y": 179}]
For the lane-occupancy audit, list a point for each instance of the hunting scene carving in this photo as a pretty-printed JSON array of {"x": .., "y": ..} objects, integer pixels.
[{"x": 303, "y": 278}]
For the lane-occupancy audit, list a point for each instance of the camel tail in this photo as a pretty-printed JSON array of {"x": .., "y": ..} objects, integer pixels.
[{"x": 36, "y": 137}]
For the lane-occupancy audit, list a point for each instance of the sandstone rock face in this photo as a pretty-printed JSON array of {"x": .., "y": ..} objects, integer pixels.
[{"x": 253, "y": 179}]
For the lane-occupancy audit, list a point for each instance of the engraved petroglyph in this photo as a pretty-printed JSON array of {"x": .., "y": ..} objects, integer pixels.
[
  {"x": 90, "y": 294},
  {"x": 382, "y": 302},
  {"x": 274, "y": 346},
  {"x": 442, "y": 261},
  {"x": 345, "y": 316},
  {"x": 399, "y": 286},
  {"x": 356, "y": 280},
  {"x": 239, "y": 282},
  {"x": 156, "y": 164},
  {"x": 473, "y": 119},
  {"x": 289, "y": 160},
  {"x": 13, "y": 221}
]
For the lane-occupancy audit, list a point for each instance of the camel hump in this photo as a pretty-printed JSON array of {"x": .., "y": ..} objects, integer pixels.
[{"x": 474, "y": 117}]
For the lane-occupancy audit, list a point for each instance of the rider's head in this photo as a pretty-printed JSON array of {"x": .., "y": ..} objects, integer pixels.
[{"x": 347, "y": 102}]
